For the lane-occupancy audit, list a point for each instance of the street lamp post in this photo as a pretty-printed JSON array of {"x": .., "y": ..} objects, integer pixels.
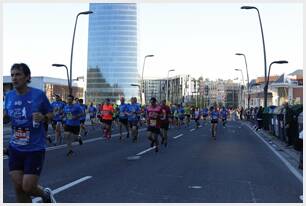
[
  {"x": 246, "y": 66},
  {"x": 171, "y": 70},
  {"x": 141, "y": 83},
  {"x": 76, "y": 20},
  {"x": 267, "y": 83},
  {"x": 241, "y": 91},
  {"x": 264, "y": 49},
  {"x": 68, "y": 78},
  {"x": 137, "y": 85}
]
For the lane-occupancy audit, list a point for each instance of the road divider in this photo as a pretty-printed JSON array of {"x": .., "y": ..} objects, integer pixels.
[{"x": 65, "y": 187}]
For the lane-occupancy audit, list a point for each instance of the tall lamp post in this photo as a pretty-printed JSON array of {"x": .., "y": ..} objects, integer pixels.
[
  {"x": 171, "y": 70},
  {"x": 68, "y": 78},
  {"x": 137, "y": 85},
  {"x": 267, "y": 83},
  {"x": 141, "y": 83},
  {"x": 264, "y": 49},
  {"x": 241, "y": 102},
  {"x": 76, "y": 20},
  {"x": 246, "y": 66}
]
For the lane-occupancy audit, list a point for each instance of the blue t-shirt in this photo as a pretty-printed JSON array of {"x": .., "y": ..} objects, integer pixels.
[
  {"x": 58, "y": 107},
  {"x": 122, "y": 109},
  {"x": 223, "y": 114},
  {"x": 205, "y": 112},
  {"x": 84, "y": 107},
  {"x": 214, "y": 115},
  {"x": 19, "y": 108},
  {"x": 92, "y": 111},
  {"x": 133, "y": 109},
  {"x": 70, "y": 111},
  {"x": 181, "y": 112}
]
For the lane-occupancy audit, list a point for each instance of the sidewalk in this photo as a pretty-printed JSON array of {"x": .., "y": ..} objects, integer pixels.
[{"x": 291, "y": 155}]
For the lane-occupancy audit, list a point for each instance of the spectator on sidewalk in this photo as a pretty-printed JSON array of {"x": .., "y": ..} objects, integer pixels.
[
  {"x": 288, "y": 124},
  {"x": 301, "y": 154},
  {"x": 259, "y": 118}
]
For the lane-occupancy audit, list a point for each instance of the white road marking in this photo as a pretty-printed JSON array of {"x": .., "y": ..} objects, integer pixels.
[
  {"x": 292, "y": 169},
  {"x": 147, "y": 150},
  {"x": 195, "y": 187},
  {"x": 151, "y": 148},
  {"x": 65, "y": 187},
  {"x": 301, "y": 198},
  {"x": 192, "y": 130},
  {"x": 178, "y": 136},
  {"x": 200, "y": 126}
]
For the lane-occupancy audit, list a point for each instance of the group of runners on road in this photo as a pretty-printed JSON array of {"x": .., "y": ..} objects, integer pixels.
[{"x": 30, "y": 112}]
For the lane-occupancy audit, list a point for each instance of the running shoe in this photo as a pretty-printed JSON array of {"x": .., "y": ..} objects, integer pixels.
[
  {"x": 48, "y": 197},
  {"x": 70, "y": 152},
  {"x": 49, "y": 139},
  {"x": 80, "y": 140}
]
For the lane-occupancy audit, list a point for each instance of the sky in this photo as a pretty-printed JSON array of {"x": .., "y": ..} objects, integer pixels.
[{"x": 199, "y": 39}]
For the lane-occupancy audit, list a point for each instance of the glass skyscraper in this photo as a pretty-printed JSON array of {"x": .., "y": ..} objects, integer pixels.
[{"x": 112, "y": 52}]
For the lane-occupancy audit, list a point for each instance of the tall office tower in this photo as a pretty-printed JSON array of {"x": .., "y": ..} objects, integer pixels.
[{"x": 112, "y": 52}]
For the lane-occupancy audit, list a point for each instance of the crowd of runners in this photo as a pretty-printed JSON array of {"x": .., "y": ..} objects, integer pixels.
[
  {"x": 30, "y": 114},
  {"x": 128, "y": 118}
]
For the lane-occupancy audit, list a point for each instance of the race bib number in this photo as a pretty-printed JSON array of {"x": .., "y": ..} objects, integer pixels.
[
  {"x": 152, "y": 122},
  {"x": 21, "y": 136},
  {"x": 69, "y": 116}
]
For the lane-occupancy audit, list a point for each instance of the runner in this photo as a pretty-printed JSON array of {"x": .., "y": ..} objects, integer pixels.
[
  {"x": 116, "y": 115},
  {"x": 92, "y": 110},
  {"x": 107, "y": 119},
  {"x": 187, "y": 110},
  {"x": 58, "y": 107},
  {"x": 133, "y": 118},
  {"x": 72, "y": 114},
  {"x": 181, "y": 115},
  {"x": 214, "y": 115},
  {"x": 82, "y": 121},
  {"x": 205, "y": 114},
  {"x": 224, "y": 116},
  {"x": 176, "y": 116},
  {"x": 164, "y": 125},
  {"x": 197, "y": 116},
  {"x": 154, "y": 113},
  {"x": 123, "y": 117},
  {"x": 27, "y": 108}
]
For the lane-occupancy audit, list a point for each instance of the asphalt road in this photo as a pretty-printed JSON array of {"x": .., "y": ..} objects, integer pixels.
[{"x": 236, "y": 168}]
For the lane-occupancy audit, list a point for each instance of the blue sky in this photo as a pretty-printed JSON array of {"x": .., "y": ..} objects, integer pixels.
[{"x": 192, "y": 38}]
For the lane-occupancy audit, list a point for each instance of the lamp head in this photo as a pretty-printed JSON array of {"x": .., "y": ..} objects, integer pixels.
[
  {"x": 86, "y": 12},
  {"x": 239, "y": 54},
  {"x": 151, "y": 55},
  {"x": 57, "y": 65},
  {"x": 248, "y": 7},
  {"x": 282, "y": 62}
]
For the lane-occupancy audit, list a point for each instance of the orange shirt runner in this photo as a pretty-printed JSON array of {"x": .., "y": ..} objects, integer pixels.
[{"x": 107, "y": 112}]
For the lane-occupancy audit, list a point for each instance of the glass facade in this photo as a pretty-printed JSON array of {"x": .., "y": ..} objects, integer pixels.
[{"x": 112, "y": 52}]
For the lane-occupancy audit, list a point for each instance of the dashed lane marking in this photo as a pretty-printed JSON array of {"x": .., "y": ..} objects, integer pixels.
[
  {"x": 147, "y": 150},
  {"x": 178, "y": 136},
  {"x": 65, "y": 187},
  {"x": 192, "y": 130}
]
